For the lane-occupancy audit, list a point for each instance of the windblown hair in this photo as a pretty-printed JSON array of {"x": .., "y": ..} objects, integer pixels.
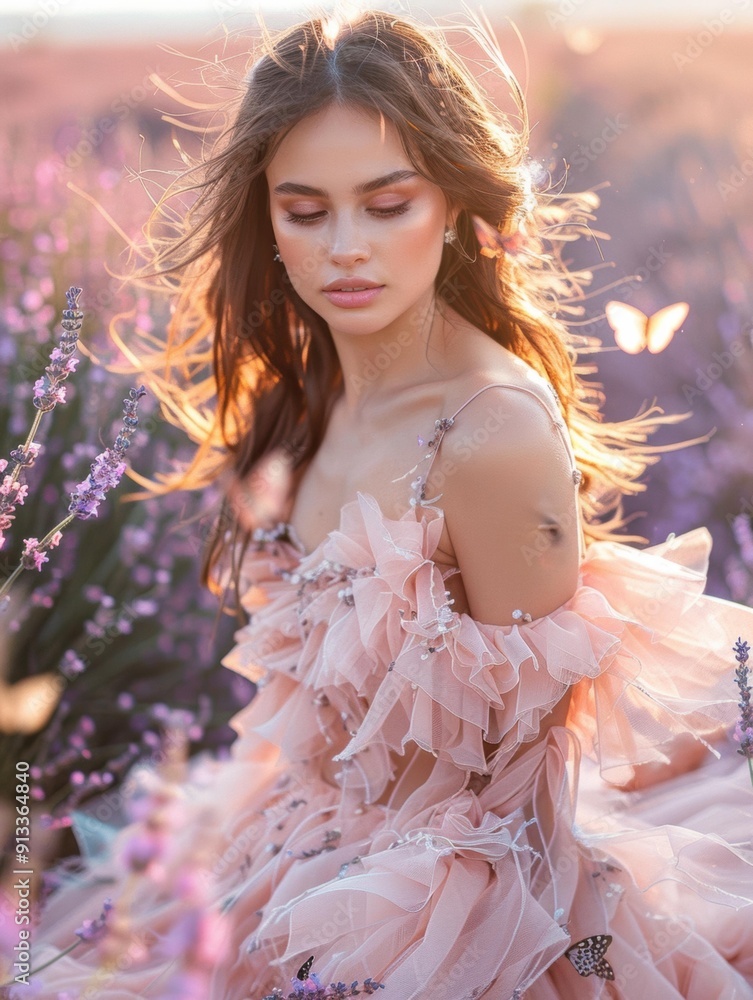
[{"x": 249, "y": 370}]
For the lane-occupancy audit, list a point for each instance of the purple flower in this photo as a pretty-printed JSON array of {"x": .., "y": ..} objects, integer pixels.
[
  {"x": 143, "y": 851},
  {"x": 71, "y": 664},
  {"x": 12, "y": 493},
  {"x": 744, "y": 729},
  {"x": 370, "y": 986},
  {"x": 313, "y": 989},
  {"x": 25, "y": 457},
  {"x": 109, "y": 466},
  {"x": 33, "y": 556},
  {"x": 312, "y": 984},
  {"x": 48, "y": 390},
  {"x": 93, "y": 930}
]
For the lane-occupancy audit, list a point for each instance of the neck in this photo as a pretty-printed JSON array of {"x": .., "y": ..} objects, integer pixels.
[{"x": 378, "y": 368}]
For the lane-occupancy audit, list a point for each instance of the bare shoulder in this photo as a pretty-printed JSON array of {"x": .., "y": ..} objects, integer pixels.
[
  {"x": 487, "y": 363},
  {"x": 499, "y": 392},
  {"x": 509, "y": 500},
  {"x": 503, "y": 431}
]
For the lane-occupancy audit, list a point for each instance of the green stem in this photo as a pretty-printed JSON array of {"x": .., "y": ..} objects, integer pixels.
[
  {"x": 54, "y": 959},
  {"x": 45, "y": 541},
  {"x": 7, "y": 585},
  {"x": 34, "y": 427},
  {"x": 58, "y": 527},
  {"x": 750, "y": 768}
]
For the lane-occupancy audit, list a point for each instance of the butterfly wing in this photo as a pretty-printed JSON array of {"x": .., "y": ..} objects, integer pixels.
[
  {"x": 303, "y": 972},
  {"x": 603, "y": 969},
  {"x": 587, "y": 956},
  {"x": 27, "y": 706},
  {"x": 629, "y": 325},
  {"x": 663, "y": 325},
  {"x": 489, "y": 238}
]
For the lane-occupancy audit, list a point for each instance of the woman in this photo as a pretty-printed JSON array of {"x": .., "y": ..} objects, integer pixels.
[{"x": 367, "y": 264}]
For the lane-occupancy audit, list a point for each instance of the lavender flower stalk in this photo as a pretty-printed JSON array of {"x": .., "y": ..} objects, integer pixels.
[
  {"x": 90, "y": 930},
  {"x": 49, "y": 389},
  {"x": 106, "y": 471},
  {"x": 744, "y": 728},
  {"x": 109, "y": 466},
  {"x": 48, "y": 392}
]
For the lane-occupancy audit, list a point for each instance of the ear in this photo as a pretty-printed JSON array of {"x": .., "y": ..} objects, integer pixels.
[{"x": 453, "y": 211}]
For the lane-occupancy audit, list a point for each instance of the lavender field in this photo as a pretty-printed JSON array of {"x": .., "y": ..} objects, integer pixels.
[{"x": 114, "y": 636}]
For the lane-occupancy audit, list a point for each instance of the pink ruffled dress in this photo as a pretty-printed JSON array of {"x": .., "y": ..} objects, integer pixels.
[{"x": 504, "y": 879}]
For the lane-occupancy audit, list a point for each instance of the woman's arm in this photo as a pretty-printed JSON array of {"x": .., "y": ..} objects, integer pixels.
[{"x": 510, "y": 507}]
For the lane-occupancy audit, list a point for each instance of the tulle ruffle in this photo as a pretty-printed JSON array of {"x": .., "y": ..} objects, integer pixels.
[
  {"x": 373, "y": 633},
  {"x": 477, "y": 877}
]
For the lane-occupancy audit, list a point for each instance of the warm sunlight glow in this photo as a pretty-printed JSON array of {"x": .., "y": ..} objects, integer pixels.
[{"x": 582, "y": 39}]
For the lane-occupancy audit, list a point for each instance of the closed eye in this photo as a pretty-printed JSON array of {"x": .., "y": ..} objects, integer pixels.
[{"x": 380, "y": 213}]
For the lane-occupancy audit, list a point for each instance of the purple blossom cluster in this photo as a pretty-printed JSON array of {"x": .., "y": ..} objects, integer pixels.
[
  {"x": 25, "y": 457},
  {"x": 94, "y": 930},
  {"x": 106, "y": 470},
  {"x": 108, "y": 467},
  {"x": 91, "y": 931},
  {"x": 12, "y": 493},
  {"x": 49, "y": 389},
  {"x": 313, "y": 988},
  {"x": 744, "y": 728},
  {"x": 150, "y": 642},
  {"x": 33, "y": 555}
]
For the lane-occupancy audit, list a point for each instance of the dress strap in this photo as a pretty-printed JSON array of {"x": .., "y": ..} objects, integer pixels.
[{"x": 442, "y": 425}]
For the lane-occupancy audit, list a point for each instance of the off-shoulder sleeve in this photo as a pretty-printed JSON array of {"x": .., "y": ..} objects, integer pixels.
[{"x": 646, "y": 654}]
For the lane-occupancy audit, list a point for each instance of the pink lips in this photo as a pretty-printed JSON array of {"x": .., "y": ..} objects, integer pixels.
[{"x": 350, "y": 293}]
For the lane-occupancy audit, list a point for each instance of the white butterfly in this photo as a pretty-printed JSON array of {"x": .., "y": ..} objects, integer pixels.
[{"x": 634, "y": 330}]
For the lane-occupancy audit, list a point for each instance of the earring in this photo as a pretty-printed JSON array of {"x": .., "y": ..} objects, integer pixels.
[
  {"x": 450, "y": 235},
  {"x": 277, "y": 256}
]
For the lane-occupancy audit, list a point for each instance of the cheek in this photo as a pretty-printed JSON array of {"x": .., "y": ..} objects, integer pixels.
[
  {"x": 296, "y": 245},
  {"x": 418, "y": 247},
  {"x": 304, "y": 255}
]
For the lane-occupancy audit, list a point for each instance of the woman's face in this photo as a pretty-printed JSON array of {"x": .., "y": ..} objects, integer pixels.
[{"x": 349, "y": 209}]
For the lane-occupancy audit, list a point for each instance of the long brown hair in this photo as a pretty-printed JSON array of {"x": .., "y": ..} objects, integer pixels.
[{"x": 249, "y": 370}]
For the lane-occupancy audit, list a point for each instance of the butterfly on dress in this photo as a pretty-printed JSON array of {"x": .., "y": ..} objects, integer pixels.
[
  {"x": 634, "y": 330},
  {"x": 303, "y": 972},
  {"x": 587, "y": 956}
]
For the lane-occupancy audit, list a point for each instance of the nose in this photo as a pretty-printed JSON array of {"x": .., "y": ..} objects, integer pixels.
[{"x": 348, "y": 244}]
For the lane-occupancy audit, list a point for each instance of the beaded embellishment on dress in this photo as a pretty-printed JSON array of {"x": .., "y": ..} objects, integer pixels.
[
  {"x": 351, "y": 859},
  {"x": 443, "y": 424}
]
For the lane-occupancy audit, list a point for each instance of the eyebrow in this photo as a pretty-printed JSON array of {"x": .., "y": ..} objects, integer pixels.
[{"x": 289, "y": 187}]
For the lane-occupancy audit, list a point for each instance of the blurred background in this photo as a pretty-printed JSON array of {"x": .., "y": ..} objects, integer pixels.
[{"x": 651, "y": 104}]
